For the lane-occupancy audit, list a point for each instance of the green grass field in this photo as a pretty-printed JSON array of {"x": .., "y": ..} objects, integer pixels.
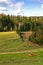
[
  {"x": 11, "y": 42},
  {"x": 21, "y": 59}
]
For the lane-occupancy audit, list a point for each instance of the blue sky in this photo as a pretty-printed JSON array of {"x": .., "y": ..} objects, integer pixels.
[{"x": 22, "y": 7}]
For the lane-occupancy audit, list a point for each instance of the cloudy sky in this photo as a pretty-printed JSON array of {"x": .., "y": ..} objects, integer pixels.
[{"x": 22, "y": 7}]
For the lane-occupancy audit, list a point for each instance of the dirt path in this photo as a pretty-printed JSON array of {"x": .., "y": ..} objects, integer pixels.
[{"x": 35, "y": 50}]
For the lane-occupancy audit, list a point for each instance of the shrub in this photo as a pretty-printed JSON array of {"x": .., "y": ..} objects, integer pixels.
[{"x": 37, "y": 37}]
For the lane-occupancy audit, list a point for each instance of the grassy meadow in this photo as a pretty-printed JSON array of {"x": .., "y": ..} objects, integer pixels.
[{"x": 11, "y": 42}]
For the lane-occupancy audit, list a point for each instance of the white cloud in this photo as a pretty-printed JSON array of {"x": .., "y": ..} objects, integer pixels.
[
  {"x": 19, "y": 4},
  {"x": 42, "y": 6},
  {"x": 2, "y": 8},
  {"x": 13, "y": 8},
  {"x": 3, "y": 1},
  {"x": 7, "y": 2},
  {"x": 18, "y": 7}
]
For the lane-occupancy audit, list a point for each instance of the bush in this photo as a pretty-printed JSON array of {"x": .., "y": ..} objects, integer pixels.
[{"x": 37, "y": 37}]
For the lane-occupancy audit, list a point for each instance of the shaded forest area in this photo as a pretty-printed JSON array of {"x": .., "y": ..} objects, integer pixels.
[{"x": 23, "y": 23}]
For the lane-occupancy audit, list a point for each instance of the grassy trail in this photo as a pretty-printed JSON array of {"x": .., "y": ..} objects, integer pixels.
[
  {"x": 35, "y": 50},
  {"x": 21, "y": 59}
]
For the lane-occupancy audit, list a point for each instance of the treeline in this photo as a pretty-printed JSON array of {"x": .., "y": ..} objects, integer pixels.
[{"x": 23, "y": 23}]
